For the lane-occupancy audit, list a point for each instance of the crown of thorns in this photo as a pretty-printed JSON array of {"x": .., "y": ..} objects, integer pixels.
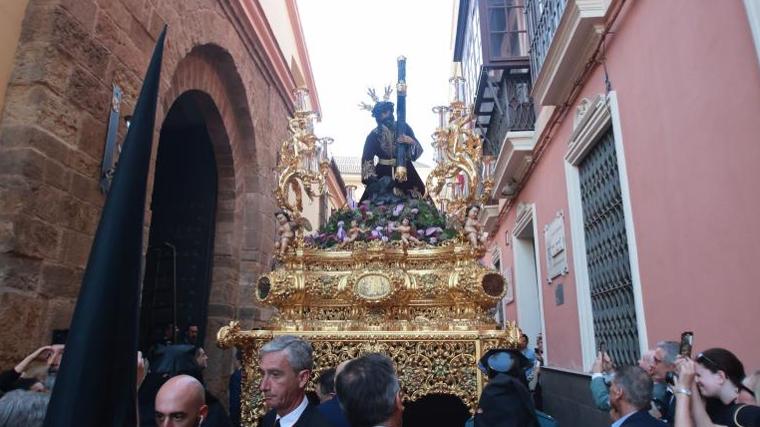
[{"x": 375, "y": 99}]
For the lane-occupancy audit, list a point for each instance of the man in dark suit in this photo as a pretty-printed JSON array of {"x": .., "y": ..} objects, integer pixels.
[
  {"x": 330, "y": 407},
  {"x": 630, "y": 397},
  {"x": 369, "y": 392},
  {"x": 286, "y": 363}
]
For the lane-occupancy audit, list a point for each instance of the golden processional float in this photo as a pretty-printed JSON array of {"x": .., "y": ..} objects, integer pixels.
[{"x": 400, "y": 279}]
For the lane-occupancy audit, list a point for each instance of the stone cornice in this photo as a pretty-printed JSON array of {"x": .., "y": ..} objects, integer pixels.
[
  {"x": 575, "y": 40},
  {"x": 251, "y": 23}
]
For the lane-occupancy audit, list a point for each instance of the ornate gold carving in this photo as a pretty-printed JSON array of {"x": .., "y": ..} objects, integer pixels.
[
  {"x": 302, "y": 167},
  {"x": 373, "y": 287},
  {"x": 425, "y": 306},
  {"x": 427, "y": 362}
]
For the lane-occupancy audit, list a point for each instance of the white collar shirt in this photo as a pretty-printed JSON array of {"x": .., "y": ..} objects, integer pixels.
[{"x": 290, "y": 418}]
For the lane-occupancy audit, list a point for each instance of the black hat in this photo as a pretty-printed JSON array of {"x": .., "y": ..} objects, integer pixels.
[
  {"x": 175, "y": 359},
  {"x": 505, "y": 402},
  {"x": 502, "y": 361}
]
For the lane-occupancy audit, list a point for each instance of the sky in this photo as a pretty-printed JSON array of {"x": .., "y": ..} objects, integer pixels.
[{"x": 353, "y": 45}]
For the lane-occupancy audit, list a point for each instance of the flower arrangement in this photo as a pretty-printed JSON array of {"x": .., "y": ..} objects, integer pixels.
[{"x": 378, "y": 221}]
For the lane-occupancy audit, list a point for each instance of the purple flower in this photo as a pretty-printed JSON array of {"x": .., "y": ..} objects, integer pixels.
[
  {"x": 341, "y": 232},
  {"x": 415, "y": 211},
  {"x": 432, "y": 230},
  {"x": 421, "y": 232},
  {"x": 433, "y": 240},
  {"x": 398, "y": 209},
  {"x": 385, "y": 239}
]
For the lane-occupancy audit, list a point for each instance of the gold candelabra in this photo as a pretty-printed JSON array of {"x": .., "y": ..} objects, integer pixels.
[
  {"x": 303, "y": 164},
  {"x": 463, "y": 175}
]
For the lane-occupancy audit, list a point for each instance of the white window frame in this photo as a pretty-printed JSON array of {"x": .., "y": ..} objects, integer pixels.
[{"x": 597, "y": 116}]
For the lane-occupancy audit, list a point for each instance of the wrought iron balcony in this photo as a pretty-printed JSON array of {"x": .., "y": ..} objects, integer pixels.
[
  {"x": 543, "y": 20},
  {"x": 515, "y": 106}
]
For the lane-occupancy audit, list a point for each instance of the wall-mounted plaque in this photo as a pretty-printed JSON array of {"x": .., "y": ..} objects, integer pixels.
[{"x": 556, "y": 248}]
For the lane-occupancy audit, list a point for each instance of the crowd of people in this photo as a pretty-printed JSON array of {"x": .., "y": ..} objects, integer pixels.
[
  {"x": 669, "y": 387},
  {"x": 666, "y": 388}
]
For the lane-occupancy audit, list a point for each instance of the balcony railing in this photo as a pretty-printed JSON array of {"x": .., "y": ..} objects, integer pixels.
[
  {"x": 518, "y": 112},
  {"x": 543, "y": 19}
]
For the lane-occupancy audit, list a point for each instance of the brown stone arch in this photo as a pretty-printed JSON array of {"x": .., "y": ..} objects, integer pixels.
[{"x": 209, "y": 72}]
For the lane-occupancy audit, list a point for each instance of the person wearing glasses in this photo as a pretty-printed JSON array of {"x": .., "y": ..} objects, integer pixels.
[{"x": 713, "y": 383}]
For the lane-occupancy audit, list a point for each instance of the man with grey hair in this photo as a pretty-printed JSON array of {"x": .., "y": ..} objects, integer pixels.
[
  {"x": 23, "y": 408},
  {"x": 664, "y": 359},
  {"x": 285, "y": 364},
  {"x": 369, "y": 392},
  {"x": 664, "y": 365},
  {"x": 630, "y": 396}
]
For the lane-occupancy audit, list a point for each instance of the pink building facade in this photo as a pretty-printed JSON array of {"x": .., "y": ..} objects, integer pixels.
[{"x": 627, "y": 214}]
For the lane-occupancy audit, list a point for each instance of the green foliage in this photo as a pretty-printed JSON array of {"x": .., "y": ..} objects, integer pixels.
[{"x": 378, "y": 221}]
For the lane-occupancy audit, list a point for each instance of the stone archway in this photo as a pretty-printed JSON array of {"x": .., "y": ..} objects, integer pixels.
[
  {"x": 209, "y": 73},
  {"x": 179, "y": 265}
]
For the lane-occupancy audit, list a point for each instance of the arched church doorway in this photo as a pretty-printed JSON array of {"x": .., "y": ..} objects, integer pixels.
[
  {"x": 440, "y": 410},
  {"x": 179, "y": 258}
]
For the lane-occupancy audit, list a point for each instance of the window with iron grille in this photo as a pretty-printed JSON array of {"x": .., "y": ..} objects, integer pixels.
[{"x": 609, "y": 269}]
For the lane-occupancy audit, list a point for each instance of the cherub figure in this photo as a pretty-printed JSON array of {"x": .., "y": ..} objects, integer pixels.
[
  {"x": 353, "y": 232},
  {"x": 406, "y": 232},
  {"x": 285, "y": 232},
  {"x": 472, "y": 227}
]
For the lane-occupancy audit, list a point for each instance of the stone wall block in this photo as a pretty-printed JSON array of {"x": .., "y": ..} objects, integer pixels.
[
  {"x": 141, "y": 37},
  {"x": 36, "y": 239},
  {"x": 78, "y": 216},
  {"x": 87, "y": 189},
  {"x": 60, "y": 281},
  {"x": 114, "y": 38},
  {"x": 60, "y": 311},
  {"x": 140, "y": 9},
  {"x": 75, "y": 248},
  {"x": 38, "y": 106},
  {"x": 45, "y": 202},
  {"x": 26, "y": 310},
  {"x": 38, "y": 23},
  {"x": 92, "y": 134},
  {"x": 31, "y": 136},
  {"x": 220, "y": 361},
  {"x": 118, "y": 12},
  {"x": 224, "y": 280},
  {"x": 225, "y": 311},
  {"x": 14, "y": 194},
  {"x": 71, "y": 38},
  {"x": 83, "y": 11},
  {"x": 87, "y": 92},
  {"x": 26, "y": 162},
  {"x": 6, "y": 234},
  {"x": 41, "y": 63},
  {"x": 82, "y": 163},
  {"x": 57, "y": 175},
  {"x": 19, "y": 273}
]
